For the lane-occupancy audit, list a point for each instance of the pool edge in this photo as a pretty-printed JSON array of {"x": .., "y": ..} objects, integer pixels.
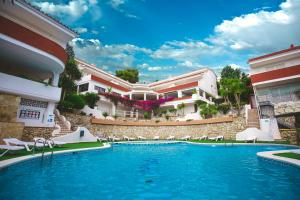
[
  {"x": 12, "y": 161},
  {"x": 270, "y": 156}
]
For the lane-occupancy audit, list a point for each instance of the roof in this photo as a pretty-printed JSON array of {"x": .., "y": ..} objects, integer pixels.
[
  {"x": 47, "y": 15},
  {"x": 292, "y": 48}
]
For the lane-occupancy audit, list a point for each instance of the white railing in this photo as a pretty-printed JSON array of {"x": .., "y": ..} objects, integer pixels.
[
  {"x": 25, "y": 87},
  {"x": 127, "y": 114}
]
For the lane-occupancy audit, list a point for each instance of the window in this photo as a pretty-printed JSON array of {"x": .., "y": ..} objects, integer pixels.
[
  {"x": 99, "y": 89},
  {"x": 83, "y": 87}
]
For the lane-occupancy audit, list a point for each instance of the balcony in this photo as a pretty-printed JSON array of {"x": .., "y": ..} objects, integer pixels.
[{"x": 28, "y": 88}]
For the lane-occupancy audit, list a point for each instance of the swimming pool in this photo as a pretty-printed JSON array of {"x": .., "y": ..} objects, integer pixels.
[{"x": 165, "y": 171}]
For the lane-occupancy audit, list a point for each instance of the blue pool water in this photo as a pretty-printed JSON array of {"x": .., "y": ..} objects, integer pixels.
[{"x": 168, "y": 171}]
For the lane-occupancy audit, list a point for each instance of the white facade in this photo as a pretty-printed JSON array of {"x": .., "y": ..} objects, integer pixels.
[
  {"x": 186, "y": 88},
  {"x": 32, "y": 57}
]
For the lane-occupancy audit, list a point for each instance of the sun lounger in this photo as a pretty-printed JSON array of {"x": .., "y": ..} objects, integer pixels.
[
  {"x": 10, "y": 148},
  {"x": 113, "y": 138},
  {"x": 251, "y": 139},
  {"x": 102, "y": 139},
  {"x": 51, "y": 143},
  {"x": 128, "y": 138},
  {"x": 156, "y": 137},
  {"x": 171, "y": 137},
  {"x": 141, "y": 138},
  {"x": 187, "y": 137},
  {"x": 15, "y": 141},
  {"x": 216, "y": 138},
  {"x": 203, "y": 137}
]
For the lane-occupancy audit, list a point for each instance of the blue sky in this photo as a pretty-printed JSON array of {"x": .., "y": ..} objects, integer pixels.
[{"x": 164, "y": 38}]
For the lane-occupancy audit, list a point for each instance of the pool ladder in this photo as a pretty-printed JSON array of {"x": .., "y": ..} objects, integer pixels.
[{"x": 43, "y": 149}]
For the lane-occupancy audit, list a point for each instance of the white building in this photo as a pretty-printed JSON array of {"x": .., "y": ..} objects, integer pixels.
[
  {"x": 32, "y": 56},
  {"x": 186, "y": 88},
  {"x": 276, "y": 81}
]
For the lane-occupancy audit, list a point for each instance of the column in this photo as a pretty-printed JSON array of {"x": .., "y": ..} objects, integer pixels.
[
  {"x": 198, "y": 91},
  {"x": 130, "y": 96},
  {"x": 204, "y": 95},
  {"x": 179, "y": 93},
  {"x": 113, "y": 110},
  {"x": 145, "y": 96},
  {"x": 55, "y": 79},
  {"x": 157, "y": 96},
  {"x": 48, "y": 114}
]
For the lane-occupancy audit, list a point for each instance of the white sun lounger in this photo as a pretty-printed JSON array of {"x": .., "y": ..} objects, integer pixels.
[
  {"x": 171, "y": 137},
  {"x": 251, "y": 139},
  {"x": 216, "y": 138},
  {"x": 113, "y": 138},
  {"x": 101, "y": 139},
  {"x": 128, "y": 138},
  {"x": 51, "y": 143},
  {"x": 156, "y": 137},
  {"x": 15, "y": 141},
  {"x": 203, "y": 137},
  {"x": 187, "y": 137},
  {"x": 10, "y": 148},
  {"x": 141, "y": 138}
]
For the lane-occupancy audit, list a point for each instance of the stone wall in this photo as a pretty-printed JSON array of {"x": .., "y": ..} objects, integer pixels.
[
  {"x": 228, "y": 129},
  {"x": 11, "y": 129},
  {"x": 289, "y": 107},
  {"x": 30, "y": 132},
  {"x": 289, "y": 135},
  {"x": 9, "y": 105}
]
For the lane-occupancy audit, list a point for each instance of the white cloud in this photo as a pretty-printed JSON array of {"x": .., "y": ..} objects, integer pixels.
[
  {"x": 116, "y": 3},
  {"x": 81, "y": 30},
  {"x": 182, "y": 50},
  {"x": 74, "y": 8},
  {"x": 119, "y": 6},
  {"x": 263, "y": 31},
  {"x": 157, "y": 68},
  {"x": 116, "y": 55}
]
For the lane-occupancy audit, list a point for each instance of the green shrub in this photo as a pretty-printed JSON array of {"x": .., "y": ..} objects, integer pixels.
[
  {"x": 105, "y": 114},
  {"x": 146, "y": 115},
  {"x": 75, "y": 100},
  {"x": 167, "y": 117},
  {"x": 224, "y": 108},
  {"x": 65, "y": 105},
  {"x": 91, "y": 99}
]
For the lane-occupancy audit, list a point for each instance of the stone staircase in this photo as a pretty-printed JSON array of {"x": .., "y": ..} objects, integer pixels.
[
  {"x": 62, "y": 125},
  {"x": 253, "y": 119}
]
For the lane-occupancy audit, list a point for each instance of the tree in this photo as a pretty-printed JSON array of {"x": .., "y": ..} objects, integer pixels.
[
  {"x": 70, "y": 74},
  {"x": 207, "y": 110},
  {"x": 91, "y": 99},
  {"x": 232, "y": 87},
  {"x": 229, "y": 72},
  {"x": 130, "y": 74}
]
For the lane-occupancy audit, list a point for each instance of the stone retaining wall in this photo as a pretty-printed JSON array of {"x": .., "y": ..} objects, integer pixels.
[
  {"x": 289, "y": 135},
  {"x": 11, "y": 129},
  {"x": 30, "y": 132},
  {"x": 228, "y": 129}
]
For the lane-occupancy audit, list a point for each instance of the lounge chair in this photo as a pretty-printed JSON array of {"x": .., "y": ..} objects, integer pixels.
[
  {"x": 128, "y": 138},
  {"x": 10, "y": 148},
  {"x": 102, "y": 139},
  {"x": 171, "y": 137},
  {"x": 203, "y": 137},
  {"x": 51, "y": 143},
  {"x": 141, "y": 138},
  {"x": 156, "y": 137},
  {"x": 251, "y": 139},
  {"x": 216, "y": 138},
  {"x": 113, "y": 138},
  {"x": 187, "y": 137},
  {"x": 15, "y": 141}
]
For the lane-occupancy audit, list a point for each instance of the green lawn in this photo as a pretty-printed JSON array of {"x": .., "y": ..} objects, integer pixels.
[
  {"x": 289, "y": 155},
  {"x": 14, "y": 154},
  {"x": 234, "y": 141}
]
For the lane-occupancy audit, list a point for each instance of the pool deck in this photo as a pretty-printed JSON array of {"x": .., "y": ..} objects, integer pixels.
[
  {"x": 8, "y": 162},
  {"x": 270, "y": 155}
]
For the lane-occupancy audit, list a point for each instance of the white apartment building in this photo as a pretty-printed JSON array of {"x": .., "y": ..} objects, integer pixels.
[{"x": 186, "y": 88}]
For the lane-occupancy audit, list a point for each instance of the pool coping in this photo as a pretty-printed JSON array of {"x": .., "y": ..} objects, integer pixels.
[
  {"x": 12, "y": 161},
  {"x": 270, "y": 156}
]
